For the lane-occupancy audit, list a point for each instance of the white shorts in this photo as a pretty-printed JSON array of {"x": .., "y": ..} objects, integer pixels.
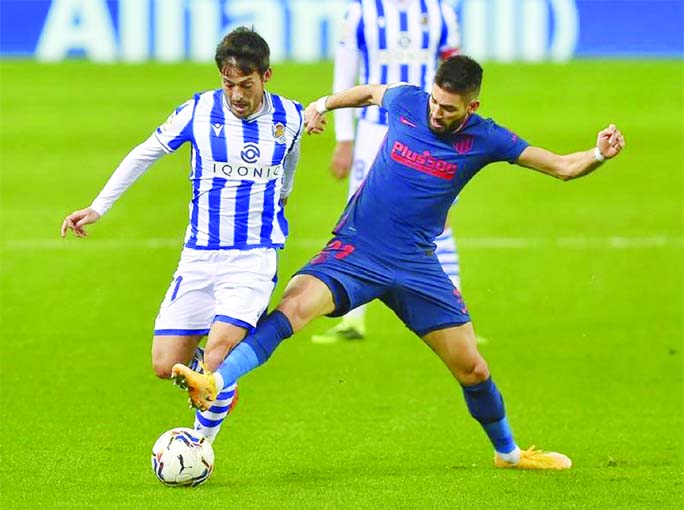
[{"x": 232, "y": 286}]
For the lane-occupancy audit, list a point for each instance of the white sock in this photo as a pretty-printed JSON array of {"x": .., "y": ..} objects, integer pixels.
[
  {"x": 219, "y": 381},
  {"x": 447, "y": 255},
  {"x": 512, "y": 457}
]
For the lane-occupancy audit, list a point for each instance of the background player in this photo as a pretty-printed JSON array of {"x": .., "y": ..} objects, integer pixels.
[
  {"x": 245, "y": 147},
  {"x": 386, "y": 41},
  {"x": 383, "y": 243}
]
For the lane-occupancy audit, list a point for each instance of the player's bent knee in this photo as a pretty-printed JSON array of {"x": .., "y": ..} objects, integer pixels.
[
  {"x": 162, "y": 367},
  {"x": 473, "y": 373}
]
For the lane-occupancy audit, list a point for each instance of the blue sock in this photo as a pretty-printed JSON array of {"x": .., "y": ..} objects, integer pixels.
[
  {"x": 256, "y": 348},
  {"x": 486, "y": 406}
]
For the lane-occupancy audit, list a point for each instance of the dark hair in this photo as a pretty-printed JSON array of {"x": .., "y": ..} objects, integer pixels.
[
  {"x": 459, "y": 75},
  {"x": 245, "y": 49}
]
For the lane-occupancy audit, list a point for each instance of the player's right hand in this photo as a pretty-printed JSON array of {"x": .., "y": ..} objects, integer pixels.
[
  {"x": 77, "y": 220},
  {"x": 342, "y": 159}
]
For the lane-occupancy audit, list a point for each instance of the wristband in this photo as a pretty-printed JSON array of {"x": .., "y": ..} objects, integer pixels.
[
  {"x": 320, "y": 105},
  {"x": 598, "y": 156}
]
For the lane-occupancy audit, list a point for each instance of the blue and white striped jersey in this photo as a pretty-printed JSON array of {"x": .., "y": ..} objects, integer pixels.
[
  {"x": 237, "y": 168},
  {"x": 399, "y": 40}
]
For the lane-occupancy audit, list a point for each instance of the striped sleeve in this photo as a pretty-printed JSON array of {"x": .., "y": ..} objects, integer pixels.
[{"x": 178, "y": 127}]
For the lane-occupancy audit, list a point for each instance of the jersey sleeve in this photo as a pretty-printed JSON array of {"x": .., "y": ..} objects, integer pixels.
[
  {"x": 136, "y": 162},
  {"x": 450, "y": 40},
  {"x": 394, "y": 92},
  {"x": 505, "y": 144},
  {"x": 178, "y": 127}
]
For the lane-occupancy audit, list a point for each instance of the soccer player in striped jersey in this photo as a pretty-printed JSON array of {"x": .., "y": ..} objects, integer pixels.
[
  {"x": 244, "y": 150},
  {"x": 386, "y": 41},
  {"x": 383, "y": 245}
]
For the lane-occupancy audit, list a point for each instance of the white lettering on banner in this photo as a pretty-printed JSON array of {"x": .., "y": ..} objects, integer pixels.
[
  {"x": 134, "y": 23},
  {"x": 503, "y": 30},
  {"x": 269, "y": 20},
  {"x": 507, "y": 30},
  {"x": 307, "y": 18},
  {"x": 77, "y": 25},
  {"x": 205, "y": 24},
  {"x": 242, "y": 171},
  {"x": 169, "y": 28},
  {"x": 567, "y": 29}
]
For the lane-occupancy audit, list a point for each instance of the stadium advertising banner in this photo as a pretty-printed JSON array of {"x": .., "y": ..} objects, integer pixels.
[{"x": 306, "y": 30}]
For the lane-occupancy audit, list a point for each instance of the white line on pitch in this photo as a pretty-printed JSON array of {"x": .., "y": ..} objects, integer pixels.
[{"x": 578, "y": 243}]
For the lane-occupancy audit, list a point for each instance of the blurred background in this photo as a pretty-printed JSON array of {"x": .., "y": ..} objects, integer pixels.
[
  {"x": 307, "y": 30},
  {"x": 578, "y": 286}
]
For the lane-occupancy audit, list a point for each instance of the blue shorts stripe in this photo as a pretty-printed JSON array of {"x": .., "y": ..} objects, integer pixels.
[
  {"x": 235, "y": 322},
  {"x": 180, "y": 332}
]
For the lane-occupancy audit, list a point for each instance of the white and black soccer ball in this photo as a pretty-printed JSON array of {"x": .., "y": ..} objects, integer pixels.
[{"x": 182, "y": 457}]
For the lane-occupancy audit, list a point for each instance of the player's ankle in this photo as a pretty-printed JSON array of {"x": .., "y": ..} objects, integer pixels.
[
  {"x": 512, "y": 457},
  {"x": 219, "y": 382}
]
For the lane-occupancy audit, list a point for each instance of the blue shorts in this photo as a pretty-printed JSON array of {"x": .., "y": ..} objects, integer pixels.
[{"x": 416, "y": 289}]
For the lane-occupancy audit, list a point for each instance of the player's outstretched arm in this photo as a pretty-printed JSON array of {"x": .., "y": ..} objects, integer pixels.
[
  {"x": 361, "y": 95},
  {"x": 79, "y": 219},
  {"x": 609, "y": 143}
]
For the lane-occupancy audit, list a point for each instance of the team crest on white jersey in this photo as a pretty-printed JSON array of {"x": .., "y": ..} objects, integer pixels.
[{"x": 279, "y": 132}]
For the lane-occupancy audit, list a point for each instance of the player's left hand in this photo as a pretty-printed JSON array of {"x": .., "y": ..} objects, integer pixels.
[
  {"x": 610, "y": 142},
  {"x": 314, "y": 122}
]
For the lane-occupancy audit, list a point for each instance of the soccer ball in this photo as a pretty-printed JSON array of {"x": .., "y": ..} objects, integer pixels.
[{"x": 182, "y": 457}]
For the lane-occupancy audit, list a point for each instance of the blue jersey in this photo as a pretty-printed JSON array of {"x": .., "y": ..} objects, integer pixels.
[{"x": 403, "y": 203}]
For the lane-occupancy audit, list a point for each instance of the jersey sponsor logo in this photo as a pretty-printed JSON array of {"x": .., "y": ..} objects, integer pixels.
[
  {"x": 217, "y": 127},
  {"x": 464, "y": 144},
  {"x": 404, "y": 120},
  {"x": 227, "y": 170},
  {"x": 423, "y": 161},
  {"x": 279, "y": 132},
  {"x": 250, "y": 153}
]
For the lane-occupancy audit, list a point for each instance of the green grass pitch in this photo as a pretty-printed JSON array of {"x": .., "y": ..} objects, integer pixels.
[{"x": 577, "y": 286}]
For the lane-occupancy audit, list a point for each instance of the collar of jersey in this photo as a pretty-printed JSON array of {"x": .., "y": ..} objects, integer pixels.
[{"x": 266, "y": 107}]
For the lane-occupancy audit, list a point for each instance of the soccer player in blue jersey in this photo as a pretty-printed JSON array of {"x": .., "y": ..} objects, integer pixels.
[
  {"x": 384, "y": 242},
  {"x": 386, "y": 41},
  {"x": 244, "y": 150}
]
